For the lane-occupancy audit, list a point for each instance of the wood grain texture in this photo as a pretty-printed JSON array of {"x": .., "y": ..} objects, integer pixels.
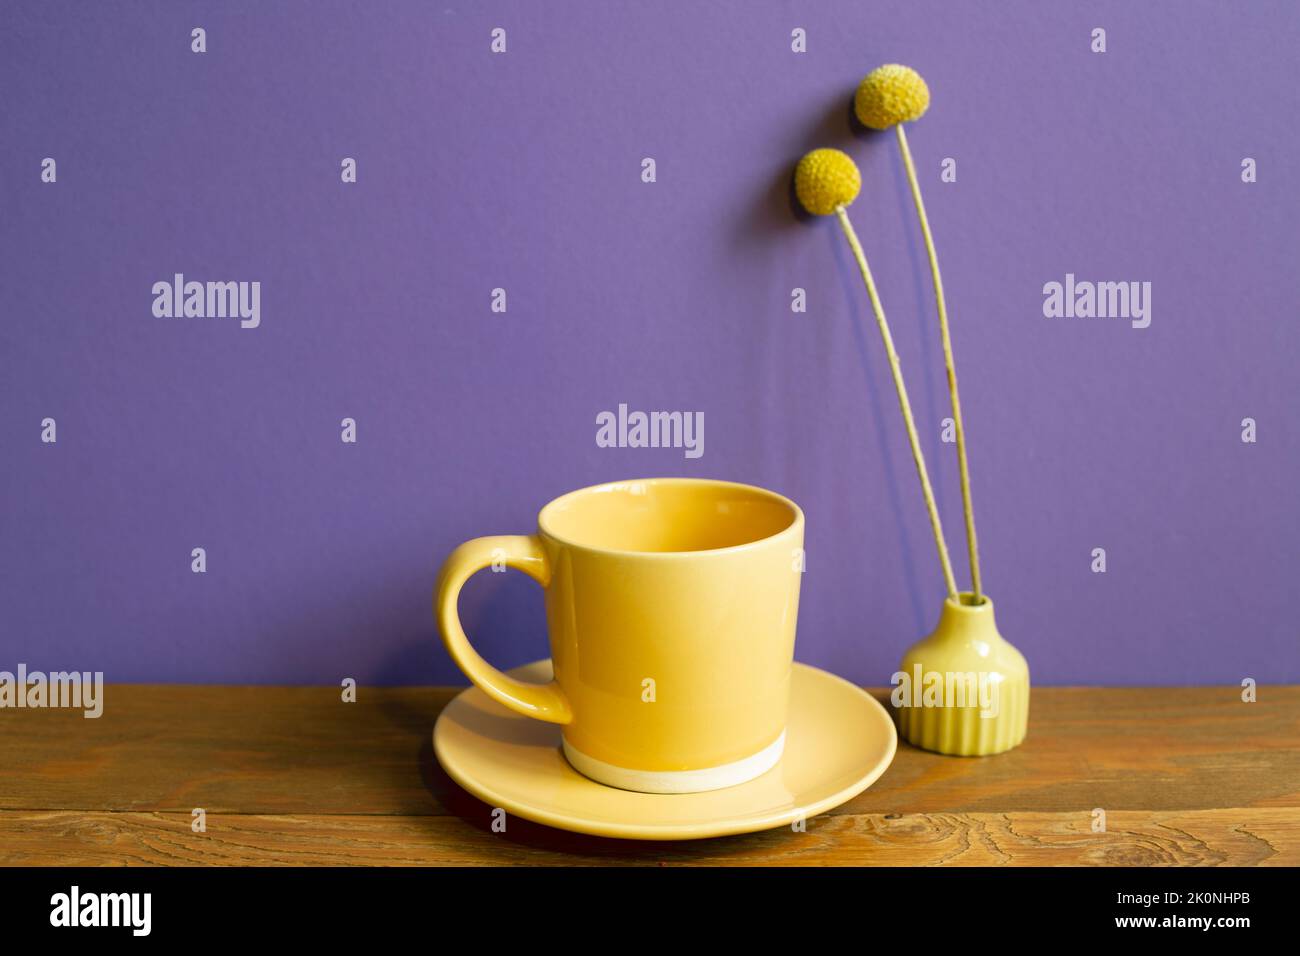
[
  {"x": 1132, "y": 838},
  {"x": 294, "y": 775}
]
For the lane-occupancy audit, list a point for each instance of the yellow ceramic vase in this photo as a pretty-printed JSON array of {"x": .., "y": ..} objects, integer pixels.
[{"x": 963, "y": 690}]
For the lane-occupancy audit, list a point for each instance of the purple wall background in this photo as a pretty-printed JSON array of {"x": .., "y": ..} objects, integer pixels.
[{"x": 522, "y": 171}]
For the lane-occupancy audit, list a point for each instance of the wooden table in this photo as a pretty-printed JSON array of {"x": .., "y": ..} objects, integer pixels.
[{"x": 296, "y": 776}]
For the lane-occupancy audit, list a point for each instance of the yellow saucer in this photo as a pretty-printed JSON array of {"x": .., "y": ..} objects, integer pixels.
[{"x": 839, "y": 740}]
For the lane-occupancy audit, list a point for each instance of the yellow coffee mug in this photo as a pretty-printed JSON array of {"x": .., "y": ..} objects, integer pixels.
[{"x": 671, "y": 607}]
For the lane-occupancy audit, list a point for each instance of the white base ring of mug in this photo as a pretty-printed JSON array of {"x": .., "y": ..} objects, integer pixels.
[{"x": 677, "y": 781}]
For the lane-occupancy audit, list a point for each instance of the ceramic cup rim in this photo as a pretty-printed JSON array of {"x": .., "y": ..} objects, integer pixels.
[{"x": 794, "y": 525}]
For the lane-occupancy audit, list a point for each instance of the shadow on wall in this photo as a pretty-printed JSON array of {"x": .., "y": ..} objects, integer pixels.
[
  {"x": 934, "y": 390},
  {"x": 502, "y": 613},
  {"x": 770, "y": 218},
  {"x": 775, "y": 218},
  {"x": 877, "y": 404}
]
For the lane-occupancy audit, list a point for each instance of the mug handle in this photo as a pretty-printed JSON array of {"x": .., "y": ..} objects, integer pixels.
[{"x": 524, "y": 552}]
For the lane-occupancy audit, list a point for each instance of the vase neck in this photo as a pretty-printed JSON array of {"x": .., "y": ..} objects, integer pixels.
[{"x": 964, "y": 619}]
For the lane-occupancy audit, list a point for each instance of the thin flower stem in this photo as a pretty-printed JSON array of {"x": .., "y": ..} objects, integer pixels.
[
  {"x": 935, "y": 526},
  {"x": 958, "y": 425}
]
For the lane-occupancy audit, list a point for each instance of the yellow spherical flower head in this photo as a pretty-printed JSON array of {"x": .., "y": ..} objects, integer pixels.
[
  {"x": 826, "y": 179},
  {"x": 889, "y": 95}
]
